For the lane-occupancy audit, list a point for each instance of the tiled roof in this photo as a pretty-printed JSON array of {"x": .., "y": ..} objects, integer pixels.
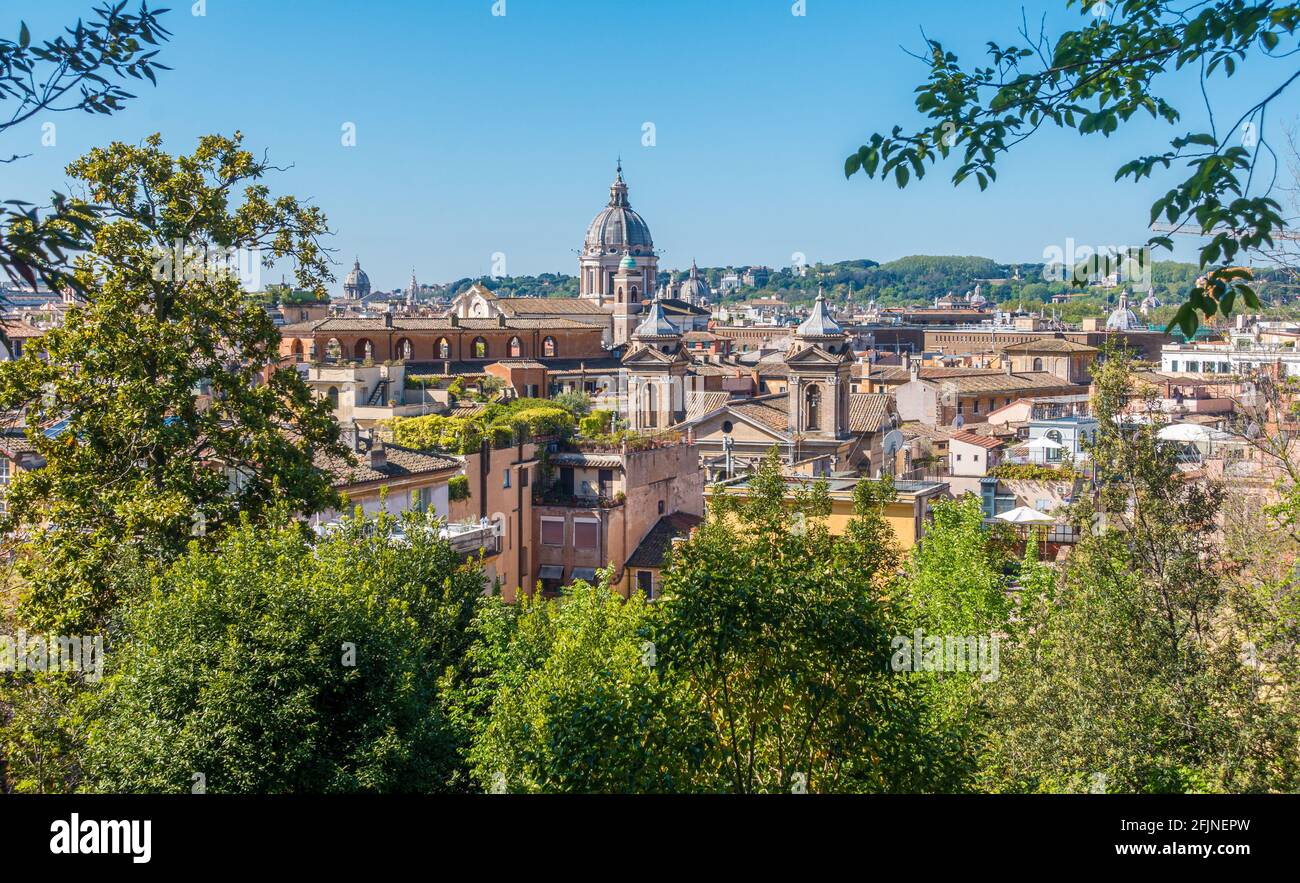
[
  {"x": 1049, "y": 345},
  {"x": 402, "y": 463},
  {"x": 773, "y": 368},
  {"x": 1001, "y": 382},
  {"x": 921, "y": 430},
  {"x": 983, "y": 441},
  {"x": 519, "y": 363},
  {"x": 700, "y": 403},
  {"x": 21, "y": 330},
  {"x": 16, "y": 444},
  {"x": 677, "y": 307},
  {"x": 653, "y": 550},
  {"x": 589, "y": 461},
  {"x": 770, "y": 411},
  {"x": 549, "y": 306},
  {"x": 868, "y": 411}
]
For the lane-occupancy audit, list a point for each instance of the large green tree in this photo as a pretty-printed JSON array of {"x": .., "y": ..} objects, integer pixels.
[
  {"x": 783, "y": 632},
  {"x": 274, "y": 665},
  {"x": 573, "y": 699},
  {"x": 1096, "y": 77},
  {"x": 159, "y": 405}
]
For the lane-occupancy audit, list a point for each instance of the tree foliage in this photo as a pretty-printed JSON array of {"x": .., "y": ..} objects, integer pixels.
[
  {"x": 272, "y": 665},
  {"x": 152, "y": 405},
  {"x": 1097, "y": 77},
  {"x": 82, "y": 70}
]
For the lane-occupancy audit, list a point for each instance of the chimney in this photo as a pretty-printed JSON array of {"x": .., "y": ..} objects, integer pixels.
[
  {"x": 388, "y": 320},
  {"x": 378, "y": 456},
  {"x": 501, "y": 320},
  {"x": 1007, "y": 365},
  {"x": 455, "y": 320}
]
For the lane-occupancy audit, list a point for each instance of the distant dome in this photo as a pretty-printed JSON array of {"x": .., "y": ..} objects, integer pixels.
[
  {"x": 628, "y": 263},
  {"x": 693, "y": 287},
  {"x": 617, "y": 228},
  {"x": 1123, "y": 319},
  {"x": 357, "y": 283}
]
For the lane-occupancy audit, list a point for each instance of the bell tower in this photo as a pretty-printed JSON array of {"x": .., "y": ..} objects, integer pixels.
[
  {"x": 820, "y": 366},
  {"x": 656, "y": 374}
]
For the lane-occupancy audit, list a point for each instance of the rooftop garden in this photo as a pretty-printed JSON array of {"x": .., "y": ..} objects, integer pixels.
[
  {"x": 1033, "y": 472},
  {"x": 499, "y": 423}
]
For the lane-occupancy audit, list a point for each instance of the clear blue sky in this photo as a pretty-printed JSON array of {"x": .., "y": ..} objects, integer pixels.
[{"x": 479, "y": 134}]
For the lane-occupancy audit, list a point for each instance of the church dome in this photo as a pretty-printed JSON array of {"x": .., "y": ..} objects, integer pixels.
[
  {"x": 819, "y": 322},
  {"x": 693, "y": 287},
  {"x": 617, "y": 228},
  {"x": 1123, "y": 319},
  {"x": 357, "y": 283},
  {"x": 628, "y": 263}
]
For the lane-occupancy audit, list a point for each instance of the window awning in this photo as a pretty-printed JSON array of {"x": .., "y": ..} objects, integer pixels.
[
  {"x": 586, "y": 574},
  {"x": 550, "y": 571}
]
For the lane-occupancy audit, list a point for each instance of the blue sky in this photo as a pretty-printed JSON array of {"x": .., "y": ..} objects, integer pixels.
[{"x": 479, "y": 134}]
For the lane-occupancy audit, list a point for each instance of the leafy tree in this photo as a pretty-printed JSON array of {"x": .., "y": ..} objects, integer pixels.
[
  {"x": 783, "y": 633},
  {"x": 272, "y": 665},
  {"x": 1126, "y": 673},
  {"x": 574, "y": 699},
  {"x": 81, "y": 70},
  {"x": 577, "y": 403},
  {"x": 153, "y": 405},
  {"x": 1097, "y": 77}
]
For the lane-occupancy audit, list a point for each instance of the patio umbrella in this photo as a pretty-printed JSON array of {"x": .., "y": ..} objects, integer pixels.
[{"x": 1025, "y": 515}]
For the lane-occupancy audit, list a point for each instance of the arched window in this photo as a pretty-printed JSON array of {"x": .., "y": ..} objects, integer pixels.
[
  {"x": 365, "y": 350},
  {"x": 813, "y": 403},
  {"x": 333, "y": 396},
  {"x": 334, "y": 350},
  {"x": 405, "y": 350},
  {"x": 444, "y": 348},
  {"x": 480, "y": 348},
  {"x": 1038, "y": 364},
  {"x": 633, "y": 296},
  {"x": 516, "y": 348},
  {"x": 297, "y": 350},
  {"x": 548, "y": 347}
]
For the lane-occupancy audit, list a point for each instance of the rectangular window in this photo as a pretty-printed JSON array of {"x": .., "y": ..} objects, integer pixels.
[
  {"x": 552, "y": 531},
  {"x": 505, "y": 478},
  {"x": 586, "y": 534},
  {"x": 645, "y": 583},
  {"x": 523, "y": 476}
]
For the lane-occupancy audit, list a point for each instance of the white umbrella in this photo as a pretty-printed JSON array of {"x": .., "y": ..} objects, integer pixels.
[
  {"x": 1191, "y": 432},
  {"x": 1044, "y": 444},
  {"x": 1025, "y": 515}
]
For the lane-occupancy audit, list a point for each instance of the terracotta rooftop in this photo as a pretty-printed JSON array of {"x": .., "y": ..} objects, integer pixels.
[
  {"x": 401, "y": 463},
  {"x": 868, "y": 411},
  {"x": 653, "y": 550},
  {"x": 983, "y": 441},
  {"x": 1049, "y": 345}
]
